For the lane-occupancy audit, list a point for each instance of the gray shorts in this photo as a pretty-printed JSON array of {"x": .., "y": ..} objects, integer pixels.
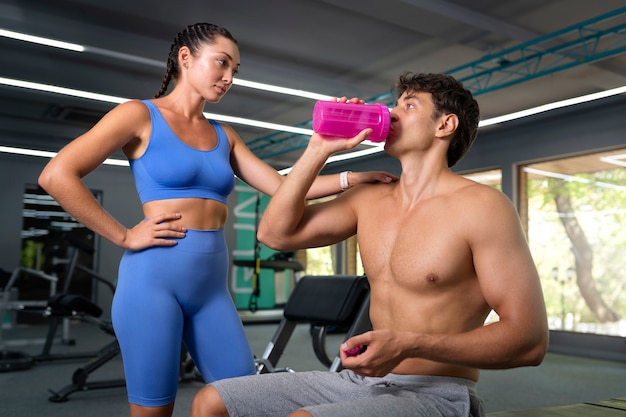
[{"x": 346, "y": 394}]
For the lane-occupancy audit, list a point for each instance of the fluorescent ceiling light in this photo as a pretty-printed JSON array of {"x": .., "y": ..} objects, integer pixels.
[
  {"x": 61, "y": 90},
  {"x": 117, "y": 100},
  {"x": 48, "y": 154},
  {"x": 41, "y": 41},
  {"x": 553, "y": 106},
  {"x": 280, "y": 90},
  {"x": 27, "y": 152},
  {"x": 257, "y": 123}
]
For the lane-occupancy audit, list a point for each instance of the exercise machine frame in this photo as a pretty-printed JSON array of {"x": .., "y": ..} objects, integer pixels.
[{"x": 331, "y": 301}]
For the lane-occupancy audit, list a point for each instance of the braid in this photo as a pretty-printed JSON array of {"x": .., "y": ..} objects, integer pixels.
[
  {"x": 194, "y": 37},
  {"x": 172, "y": 66}
]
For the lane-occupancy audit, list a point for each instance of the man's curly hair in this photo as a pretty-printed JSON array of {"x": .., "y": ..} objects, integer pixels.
[{"x": 449, "y": 96}]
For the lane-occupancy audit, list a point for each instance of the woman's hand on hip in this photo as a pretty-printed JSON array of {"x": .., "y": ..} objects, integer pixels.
[{"x": 155, "y": 232}]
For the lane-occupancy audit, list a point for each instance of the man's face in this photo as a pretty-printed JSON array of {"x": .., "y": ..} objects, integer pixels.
[{"x": 411, "y": 120}]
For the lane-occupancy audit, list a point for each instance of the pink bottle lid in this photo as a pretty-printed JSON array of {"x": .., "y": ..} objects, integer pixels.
[
  {"x": 346, "y": 120},
  {"x": 354, "y": 351}
]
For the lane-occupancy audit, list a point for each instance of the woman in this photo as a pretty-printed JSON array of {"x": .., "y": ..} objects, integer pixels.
[{"x": 172, "y": 282}]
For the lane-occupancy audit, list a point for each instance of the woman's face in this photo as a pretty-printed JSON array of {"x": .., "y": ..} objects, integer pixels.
[{"x": 211, "y": 71}]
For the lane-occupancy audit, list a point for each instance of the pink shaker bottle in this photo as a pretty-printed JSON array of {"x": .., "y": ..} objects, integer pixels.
[{"x": 346, "y": 120}]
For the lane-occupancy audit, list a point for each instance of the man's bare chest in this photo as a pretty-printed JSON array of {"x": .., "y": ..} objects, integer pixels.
[{"x": 419, "y": 246}]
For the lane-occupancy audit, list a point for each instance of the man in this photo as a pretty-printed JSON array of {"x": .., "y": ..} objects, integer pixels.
[{"x": 440, "y": 252}]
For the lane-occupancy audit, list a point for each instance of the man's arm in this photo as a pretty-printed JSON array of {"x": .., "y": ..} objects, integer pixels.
[
  {"x": 510, "y": 284},
  {"x": 289, "y": 223}
]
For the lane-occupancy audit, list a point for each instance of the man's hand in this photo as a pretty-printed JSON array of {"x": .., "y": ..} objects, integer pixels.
[{"x": 381, "y": 352}]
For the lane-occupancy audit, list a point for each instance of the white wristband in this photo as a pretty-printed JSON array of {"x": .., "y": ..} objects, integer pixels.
[{"x": 343, "y": 180}]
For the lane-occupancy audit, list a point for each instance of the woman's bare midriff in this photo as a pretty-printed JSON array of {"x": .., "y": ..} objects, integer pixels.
[{"x": 196, "y": 213}]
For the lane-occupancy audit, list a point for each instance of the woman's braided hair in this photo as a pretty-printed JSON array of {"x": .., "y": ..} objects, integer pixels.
[{"x": 194, "y": 37}]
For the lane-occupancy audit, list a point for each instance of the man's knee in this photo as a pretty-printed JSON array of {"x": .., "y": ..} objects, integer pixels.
[{"x": 208, "y": 403}]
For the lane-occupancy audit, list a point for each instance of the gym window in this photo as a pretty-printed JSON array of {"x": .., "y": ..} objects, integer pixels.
[{"x": 575, "y": 212}]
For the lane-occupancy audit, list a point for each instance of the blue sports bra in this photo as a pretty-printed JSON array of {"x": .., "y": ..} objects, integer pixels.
[{"x": 169, "y": 168}]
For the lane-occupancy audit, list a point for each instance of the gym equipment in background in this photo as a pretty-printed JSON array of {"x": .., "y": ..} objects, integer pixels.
[{"x": 332, "y": 301}]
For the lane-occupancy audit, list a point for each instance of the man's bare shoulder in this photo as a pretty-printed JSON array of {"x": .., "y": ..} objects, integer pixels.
[
  {"x": 473, "y": 191},
  {"x": 486, "y": 208}
]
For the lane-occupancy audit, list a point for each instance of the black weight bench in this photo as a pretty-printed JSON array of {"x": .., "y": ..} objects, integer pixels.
[
  {"x": 73, "y": 306},
  {"x": 340, "y": 301},
  {"x": 59, "y": 306},
  {"x": 615, "y": 407},
  {"x": 76, "y": 306}
]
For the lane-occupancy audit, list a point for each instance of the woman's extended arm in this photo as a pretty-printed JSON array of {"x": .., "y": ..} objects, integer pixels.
[{"x": 266, "y": 179}]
